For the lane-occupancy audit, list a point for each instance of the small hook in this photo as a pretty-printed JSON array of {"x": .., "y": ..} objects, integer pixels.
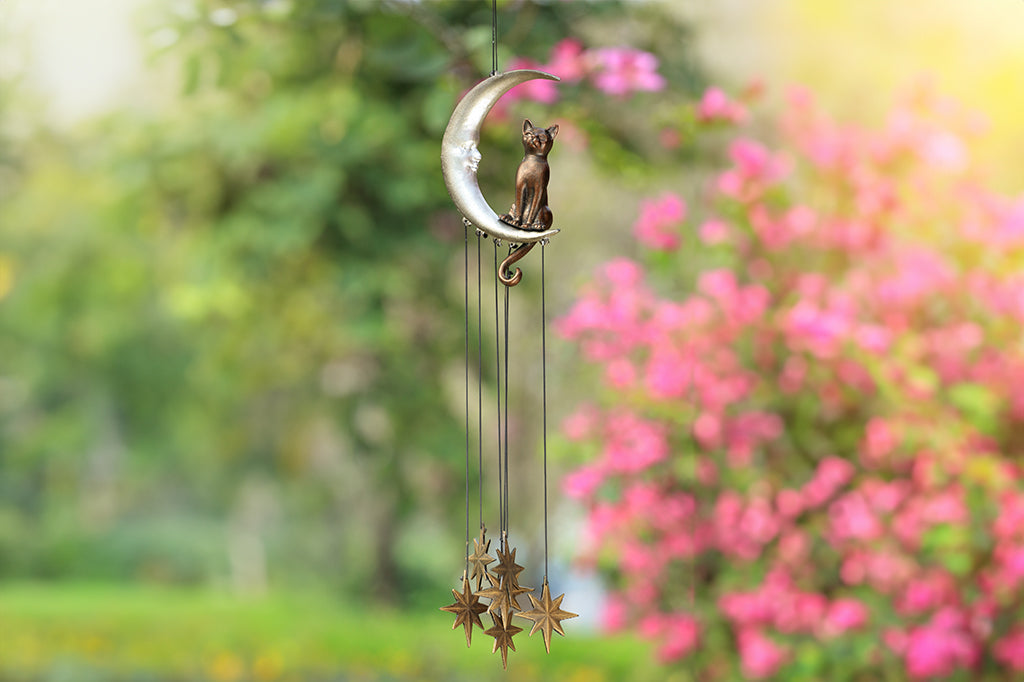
[{"x": 510, "y": 280}]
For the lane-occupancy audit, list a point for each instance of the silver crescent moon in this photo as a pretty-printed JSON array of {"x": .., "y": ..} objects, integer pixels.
[{"x": 460, "y": 156}]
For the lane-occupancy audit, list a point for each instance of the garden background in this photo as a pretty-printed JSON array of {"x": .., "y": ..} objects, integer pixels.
[{"x": 784, "y": 306}]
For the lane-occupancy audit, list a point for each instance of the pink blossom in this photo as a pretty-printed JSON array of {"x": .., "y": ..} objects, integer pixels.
[
  {"x": 538, "y": 90},
  {"x": 680, "y": 635},
  {"x": 620, "y": 373},
  {"x": 615, "y": 614},
  {"x": 926, "y": 592},
  {"x": 658, "y": 224},
  {"x": 623, "y": 272},
  {"x": 844, "y": 614},
  {"x": 758, "y": 522},
  {"x": 852, "y": 518},
  {"x": 633, "y": 443},
  {"x": 940, "y": 647},
  {"x": 622, "y": 70},
  {"x": 708, "y": 430},
  {"x": 879, "y": 440},
  {"x": 789, "y": 503},
  {"x": 714, "y": 232},
  {"x": 819, "y": 330},
  {"x": 580, "y": 424},
  {"x": 1010, "y": 649},
  {"x": 569, "y": 61},
  {"x": 715, "y": 105},
  {"x": 583, "y": 482},
  {"x": 760, "y": 656}
]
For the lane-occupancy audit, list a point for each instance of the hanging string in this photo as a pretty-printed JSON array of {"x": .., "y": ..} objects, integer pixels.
[
  {"x": 505, "y": 449},
  {"x": 544, "y": 396},
  {"x": 466, "y": 307},
  {"x": 465, "y": 252},
  {"x": 479, "y": 387},
  {"x": 494, "y": 37},
  {"x": 497, "y": 350}
]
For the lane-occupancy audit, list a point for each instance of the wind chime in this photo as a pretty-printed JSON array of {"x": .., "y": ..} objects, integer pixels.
[{"x": 527, "y": 223}]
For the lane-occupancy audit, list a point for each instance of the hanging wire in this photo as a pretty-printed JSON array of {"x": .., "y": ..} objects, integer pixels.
[
  {"x": 544, "y": 396},
  {"x": 494, "y": 37},
  {"x": 497, "y": 351},
  {"x": 505, "y": 449},
  {"x": 479, "y": 387},
  {"x": 465, "y": 259}
]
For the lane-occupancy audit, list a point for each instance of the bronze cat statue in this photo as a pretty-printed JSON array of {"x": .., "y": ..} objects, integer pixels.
[{"x": 530, "y": 209}]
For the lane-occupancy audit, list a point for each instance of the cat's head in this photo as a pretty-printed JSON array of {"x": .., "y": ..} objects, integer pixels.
[{"x": 538, "y": 140}]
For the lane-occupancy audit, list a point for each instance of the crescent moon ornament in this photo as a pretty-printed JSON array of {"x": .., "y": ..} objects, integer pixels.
[
  {"x": 527, "y": 223},
  {"x": 460, "y": 157}
]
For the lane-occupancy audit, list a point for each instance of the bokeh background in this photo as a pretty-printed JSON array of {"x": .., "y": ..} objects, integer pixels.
[{"x": 231, "y": 328}]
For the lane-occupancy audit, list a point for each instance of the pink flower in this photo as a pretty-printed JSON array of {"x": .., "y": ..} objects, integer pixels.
[
  {"x": 680, "y": 634},
  {"x": 926, "y": 592},
  {"x": 714, "y": 232},
  {"x": 940, "y": 647},
  {"x": 1010, "y": 650},
  {"x": 759, "y": 656},
  {"x": 715, "y": 105},
  {"x": 538, "y": 90},
  {"x": 753, "y": 160},
  {"x": 568, "y": 61},
  {"x": 852, "y": 518},
  {"x": 879, "y": 440},
  {"x": 844, "y": 614},
  {"x": 620, "y": 373},
  {"x": 623, "y": 272},
  {"x": 580, "y": 424},
  {"x": 583, "y": 482},
  {"x": 634, "y": 443},
  {"x": 622, "y": 70},
  {"x": 658, "y": 223},
  {"x": 616, "y": 614}
]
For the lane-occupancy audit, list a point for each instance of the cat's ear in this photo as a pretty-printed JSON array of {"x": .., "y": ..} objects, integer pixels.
[
  {"x": 552, "y": 131},
  {"x": 527, "y": 125}
]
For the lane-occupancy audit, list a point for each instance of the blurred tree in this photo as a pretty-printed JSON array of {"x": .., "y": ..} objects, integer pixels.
[{"x": 237, "y": 316}]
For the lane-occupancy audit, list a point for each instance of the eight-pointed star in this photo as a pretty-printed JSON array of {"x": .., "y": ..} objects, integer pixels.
[
  {"x": 502, "y": 635},
  {"x": 467, "y": 609},
  {"x": 479, "y": 559},
  {"x": 507, "y": 567},
  {"x": 546, "y": 615},
  {"x": 503, "y": 599}
]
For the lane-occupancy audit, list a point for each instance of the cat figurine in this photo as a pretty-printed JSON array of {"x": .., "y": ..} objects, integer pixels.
[{"x": 530, "y": 209}]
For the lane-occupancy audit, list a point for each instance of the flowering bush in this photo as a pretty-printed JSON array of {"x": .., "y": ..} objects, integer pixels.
[
  {"x": 808, "y": 464},
  {"x": 618, "y": 71}
]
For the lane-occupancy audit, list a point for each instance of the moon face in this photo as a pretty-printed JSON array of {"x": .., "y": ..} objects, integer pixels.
[{"x": 460, "y": 157}]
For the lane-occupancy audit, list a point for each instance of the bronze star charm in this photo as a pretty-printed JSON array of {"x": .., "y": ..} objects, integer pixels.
[
  {"x": 507, "y": 567},
  {"x": 547, "y": 615},
  {"x": 505, "y": 587},
  {"x": 502, "y": 596},
  {"x": 467, "y": 609},
  {"x": 479, "y": 559},
  {"x": 502, "y": 635}
]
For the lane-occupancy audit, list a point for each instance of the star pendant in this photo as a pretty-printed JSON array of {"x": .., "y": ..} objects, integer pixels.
[
  {"x": 502, "y": 635},
  {"x": 547, "y": 615},
  {"x": 479, "y": 559},
  {"x": 502, "y": 596},
  {"x": 507, "y": 567},
  {"x": 467, "y": 609}
]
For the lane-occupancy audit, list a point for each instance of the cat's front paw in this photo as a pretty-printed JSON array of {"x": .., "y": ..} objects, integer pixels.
[{"x": 511, "y": 218}]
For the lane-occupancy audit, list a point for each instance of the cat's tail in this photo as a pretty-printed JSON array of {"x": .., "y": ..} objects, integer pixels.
[{"x": 510, "y": 280}]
